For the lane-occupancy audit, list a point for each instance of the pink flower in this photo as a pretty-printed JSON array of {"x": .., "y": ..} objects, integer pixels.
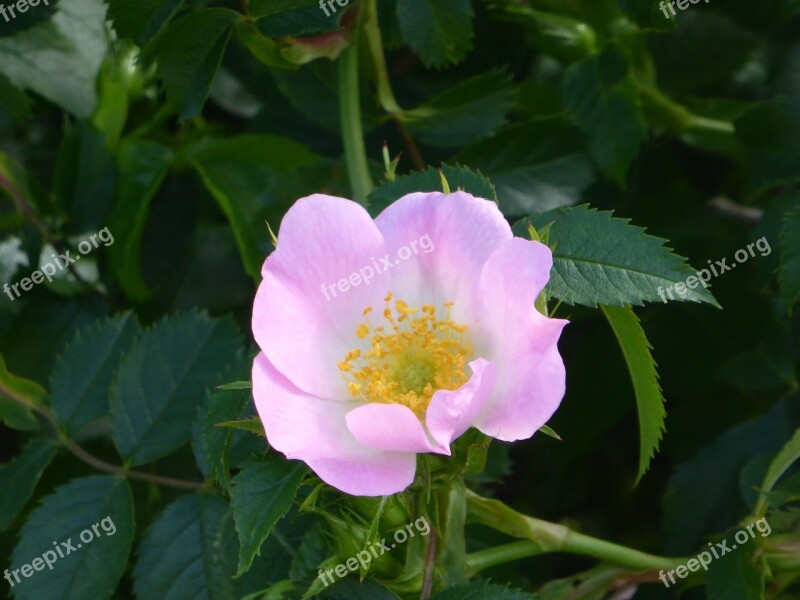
[{"x": 358, "y": 374}]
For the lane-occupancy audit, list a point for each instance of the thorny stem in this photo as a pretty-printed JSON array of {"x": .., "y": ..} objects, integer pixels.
[{"x": 90, "y": 459}]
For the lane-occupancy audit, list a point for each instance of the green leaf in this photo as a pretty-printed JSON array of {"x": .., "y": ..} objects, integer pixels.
[
  {"x": 464, "y": 113},
  {"x": 18, "y": 479},
  {"x": 16, "y": 395},
  {"x": 237, "y": 385},
  {"x": 605, "y": 100},
  {"x": 788, "y": 455},
  {"x": 303, "y": 22},
  {"x": 481, "y": 590},
  {"x": 85, "y": 177},
  {"x": 142, "y": 167},
  {"x": 703, "y": 494},
  {"x": 163, "y": 378},
  {"x": 236, "y": 171},
  {"x": 189, "y": 53},
  {"x": 263, "y": 492},
  {"x": 440, "y": 31},
  {"x": 311, "y": 553},
  {"x": 265, "y": 8},
  {"x": 539, "y": 165},
  {"x": 787, "y": 492},
  {"x": 67, "y": 76},
  {"x": 13, "y": 101},
  {"x": 734, "y": 576},
  {"x": 588, "y": 585},
  {"x": 40, "y": 331},
  {"x": 789, "y": 269},
  {"x": 223, "y": 405},
  {"x": 718, "y": 46},
  {"x": 459, "y": 178},
  {"x": 83, "y": 373},
  {"x": 771, "y": 135},
  {"x": 189, "y": 552},
  {"x": 95, "y": 566},
  {"x": 141, "y": 20},
  {"x": 642, "y": 367},
  {"x": 352, "y": 589},
  {"x": 314, "y": 91},
  {"x": 252, "y": 425},
  {"x": 648, "y": 15},
  {"x": 265, "y": 49},
  {"x": 600, "y": 259}
]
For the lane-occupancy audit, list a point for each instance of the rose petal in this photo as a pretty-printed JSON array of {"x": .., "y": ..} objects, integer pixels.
[
  {"x": 390, "y": 427},
  {"x": 303, "y": 332},
  {"x": 314, "y": 430},
  {"x": 520, "y": 341},
  {"x": 462, "y": 231},
  {"x": 451, "y": 413}
]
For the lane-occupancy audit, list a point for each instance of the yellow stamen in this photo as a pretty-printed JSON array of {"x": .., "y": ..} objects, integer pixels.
[{"x": 410, "y": 360}]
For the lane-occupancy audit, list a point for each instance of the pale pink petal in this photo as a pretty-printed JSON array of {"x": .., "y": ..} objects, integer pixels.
[
  {"x": 314, "y": 430},
  {"x": 451, "y": 413},
  {"x": 390, "y": 427},
  {"x": 303, "y": 329},
  {"x": 458, "y": 233},
  {"x": 520, "y": 341}
]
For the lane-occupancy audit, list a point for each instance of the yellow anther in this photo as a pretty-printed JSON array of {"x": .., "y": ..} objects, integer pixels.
[{"x": 407, "y": 366}]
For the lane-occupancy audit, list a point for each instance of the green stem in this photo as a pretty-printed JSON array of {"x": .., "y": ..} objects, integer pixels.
[
  {"x": 704, "y": 124},
  {"x": 352, "y": 130},
  {"x": 491, "y": 557},
  {"x": 372, "y": 35},
  {"x": 664, "y": 112},
  {"x": 543, "y": 537}
]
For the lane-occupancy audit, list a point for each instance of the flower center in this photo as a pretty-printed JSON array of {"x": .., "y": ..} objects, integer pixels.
[{"x": 413, "y": 353}]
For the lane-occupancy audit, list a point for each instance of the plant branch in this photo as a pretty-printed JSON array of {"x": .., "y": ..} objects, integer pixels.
[
  {"x": 411, "y": 146},
  {"x": 352, "y": 129},
  {"x": 430, "y": 567},
  {"x": 543, "y": 537},
  {"x": 663, "y": 111},
  {"x": 372, "y": 35},
  {"x": 386, "y": 98},
  {"x": 99, "y": 464},
  {"x": 27, "y": 210}
]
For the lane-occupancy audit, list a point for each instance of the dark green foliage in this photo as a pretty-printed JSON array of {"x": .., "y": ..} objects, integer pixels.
[{"x": 189, "y": 128}]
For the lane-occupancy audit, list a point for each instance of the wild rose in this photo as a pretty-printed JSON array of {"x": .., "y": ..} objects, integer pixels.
[{"x": 358, "y": 383}]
